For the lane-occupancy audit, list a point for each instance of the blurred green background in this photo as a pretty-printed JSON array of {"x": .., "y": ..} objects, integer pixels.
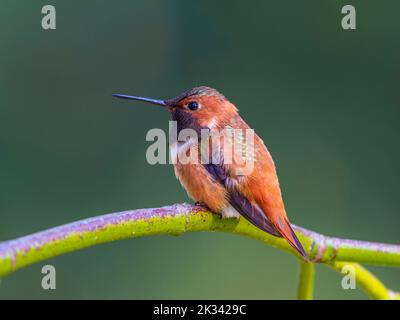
[{"x": 325, "y": 101}]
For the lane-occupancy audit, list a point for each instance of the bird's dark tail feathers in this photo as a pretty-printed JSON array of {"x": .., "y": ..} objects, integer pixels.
[{"x": 286, "y": 230}]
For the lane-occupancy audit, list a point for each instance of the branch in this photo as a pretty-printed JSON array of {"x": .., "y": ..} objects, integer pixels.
[
  {"x": 175, "y": 220},
  {"x": 305, "y": 290}
]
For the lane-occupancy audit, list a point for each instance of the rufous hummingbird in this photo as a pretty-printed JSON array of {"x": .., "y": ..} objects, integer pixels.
[{"x": 256, "y": 196}]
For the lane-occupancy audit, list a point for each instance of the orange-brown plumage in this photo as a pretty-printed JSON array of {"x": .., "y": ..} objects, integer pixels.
[{"x": 256, "y": 195}]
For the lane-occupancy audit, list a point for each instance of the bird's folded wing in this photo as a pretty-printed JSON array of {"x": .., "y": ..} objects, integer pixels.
[{"x": 242, "y": 205}]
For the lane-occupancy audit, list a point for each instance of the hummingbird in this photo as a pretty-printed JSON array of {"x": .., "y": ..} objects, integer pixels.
[{"x": 256, "y": 196}]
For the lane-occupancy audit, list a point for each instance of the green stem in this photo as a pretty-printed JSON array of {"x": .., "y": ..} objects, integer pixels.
[
  {"x": 367, "y": 281},
  {"x": 305, "y": 290}
]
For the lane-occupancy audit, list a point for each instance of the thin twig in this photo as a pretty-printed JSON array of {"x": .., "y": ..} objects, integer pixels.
[
  {"x": 367, "y": 281},
  {"x": 305, "y": 290}
]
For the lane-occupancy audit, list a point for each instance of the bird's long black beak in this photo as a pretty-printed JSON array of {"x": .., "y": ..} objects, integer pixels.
[{"x": 148, "y": 100}]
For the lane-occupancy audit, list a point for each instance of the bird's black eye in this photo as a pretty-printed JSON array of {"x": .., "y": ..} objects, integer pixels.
[{"x": 193, "y": 105}]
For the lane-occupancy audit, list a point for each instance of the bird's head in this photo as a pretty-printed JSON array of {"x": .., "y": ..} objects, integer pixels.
[{"x": 200, "y": 107}]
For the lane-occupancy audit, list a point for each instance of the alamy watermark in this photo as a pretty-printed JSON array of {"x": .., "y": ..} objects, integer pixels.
[
  {"x": 49, "y": 18},
  {"x": 49, "y": 278},
  {"x": 349, "y": 18},
  {"x": 349, "y": 278},
  {"x": 230, "y": 146}
]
